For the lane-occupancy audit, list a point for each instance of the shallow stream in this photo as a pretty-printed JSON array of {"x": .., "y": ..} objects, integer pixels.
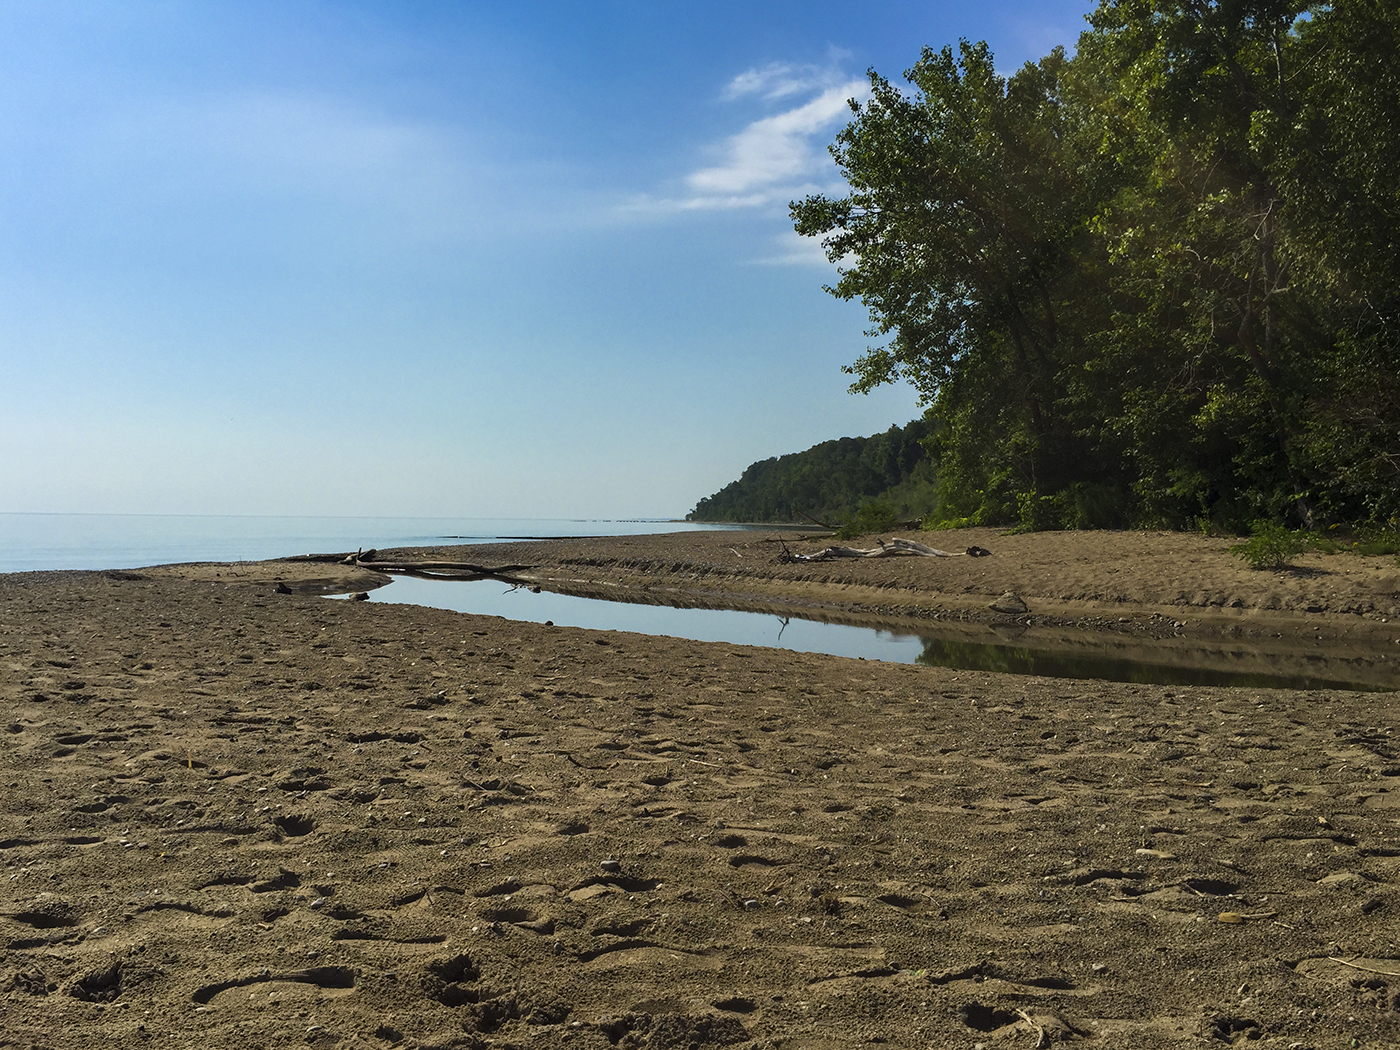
[{"x": 979, "y": 648}]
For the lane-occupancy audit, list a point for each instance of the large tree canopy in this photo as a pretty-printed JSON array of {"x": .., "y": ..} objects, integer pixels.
[{"x": 1155, "y": 283}]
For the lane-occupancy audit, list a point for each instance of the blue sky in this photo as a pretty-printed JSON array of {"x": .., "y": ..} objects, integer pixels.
[{"x": 431, "y": 258}]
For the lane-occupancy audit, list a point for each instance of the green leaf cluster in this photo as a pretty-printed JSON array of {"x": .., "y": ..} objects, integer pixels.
[
  {"x": 1272, "y": 546},
  {"x": 1157, "y": 283},
  {"x": 886, "y": 476},
  {"x": 874, "y": 515}
]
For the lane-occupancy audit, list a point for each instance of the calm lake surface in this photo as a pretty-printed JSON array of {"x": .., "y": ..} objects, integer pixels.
[{"x": 129, "y": 541}]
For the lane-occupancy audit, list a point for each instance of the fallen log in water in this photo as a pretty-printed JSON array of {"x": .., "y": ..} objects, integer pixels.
[{"x": 893, "y": 549}]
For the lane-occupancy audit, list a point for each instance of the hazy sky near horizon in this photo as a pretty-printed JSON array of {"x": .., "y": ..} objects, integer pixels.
[{"x": 432, "y": 258}]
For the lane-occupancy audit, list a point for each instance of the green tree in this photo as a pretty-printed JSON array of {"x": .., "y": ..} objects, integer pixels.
[
  {"x": 966, "y": 203},
  {"x": 831, "y": 481},
  {"x": 1153, "y": 283},
  {"x": 1336, "y": 162},
  {"x": 1205, "y": 341}
]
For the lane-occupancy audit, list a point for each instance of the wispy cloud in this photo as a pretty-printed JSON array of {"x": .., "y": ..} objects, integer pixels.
[
  {"x": 777, "y": 149},
  {"x": 792, "y": 249},
  {"x": 363, "y": 171},
  {"x": 776, "y": 157},
  {"x": 781, "y": 79},
  {"x": 279, "y": 140}
]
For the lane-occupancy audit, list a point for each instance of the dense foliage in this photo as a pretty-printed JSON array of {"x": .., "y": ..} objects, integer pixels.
[
  {"x": 887, "y": 476},
  {"x": 1156, "y": 283}
]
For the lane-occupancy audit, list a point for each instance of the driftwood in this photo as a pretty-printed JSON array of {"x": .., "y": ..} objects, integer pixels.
[
  {"x": 343, "y": 557},
  {"x": 460, "y": 571},
  {"x": 893, "y": 549},
  {"x": 439, "y": 566}
]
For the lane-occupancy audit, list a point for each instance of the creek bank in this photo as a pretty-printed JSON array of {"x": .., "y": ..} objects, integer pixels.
[{"x": 1148, "y": 597}]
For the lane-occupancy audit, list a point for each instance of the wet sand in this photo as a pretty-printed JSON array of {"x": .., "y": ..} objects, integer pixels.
[{"x": 237, "y": 817}]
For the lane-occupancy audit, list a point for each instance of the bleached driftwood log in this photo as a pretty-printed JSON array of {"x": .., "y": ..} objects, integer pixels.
[
  {"x": 461, "y": 571},
  {"x": 893, "y": 549}
]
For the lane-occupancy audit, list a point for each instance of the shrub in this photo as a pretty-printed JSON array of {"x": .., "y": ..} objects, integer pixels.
[
  {"x": 1273, "y": 546},
  {"x": 873, "y": 516}
]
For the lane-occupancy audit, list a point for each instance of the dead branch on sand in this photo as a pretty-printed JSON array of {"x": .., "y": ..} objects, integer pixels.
[
  {"x": 893, "y": 549},
  {"x": 459, "y": 571}
]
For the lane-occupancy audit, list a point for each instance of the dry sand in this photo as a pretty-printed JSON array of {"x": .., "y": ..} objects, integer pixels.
[{"x": 232, "y": 817}]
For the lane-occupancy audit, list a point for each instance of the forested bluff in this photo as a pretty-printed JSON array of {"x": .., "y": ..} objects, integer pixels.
[
  {"x": 1156, "y": 283},
  {"x": 890, "y": 474}
]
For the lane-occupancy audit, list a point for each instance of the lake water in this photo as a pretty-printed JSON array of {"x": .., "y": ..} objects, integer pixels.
[{"x": 129, "y": 541}]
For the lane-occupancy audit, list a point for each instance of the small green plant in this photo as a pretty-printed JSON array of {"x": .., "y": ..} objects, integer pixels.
[
  {"x": 1037, "y": 513},
  {"x": 1272, "y": 546},
  {"x": 1373, "y": 542}
]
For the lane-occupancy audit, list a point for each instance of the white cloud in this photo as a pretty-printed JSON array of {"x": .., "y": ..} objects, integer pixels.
[
  {"x": 775, "y": 158},
  {"x": 795, "y": 250},
  {"x": 778, "y": 148},
  {"x": 779, "y": 80}
]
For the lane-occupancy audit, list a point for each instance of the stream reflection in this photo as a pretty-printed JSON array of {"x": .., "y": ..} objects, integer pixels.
[
  {"x": 1009, "y": 659},
  {"x": 788, "y": 632}
]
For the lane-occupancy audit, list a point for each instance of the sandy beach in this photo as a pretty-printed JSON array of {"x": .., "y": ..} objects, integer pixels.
[{"x": 236, "y": 817}]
